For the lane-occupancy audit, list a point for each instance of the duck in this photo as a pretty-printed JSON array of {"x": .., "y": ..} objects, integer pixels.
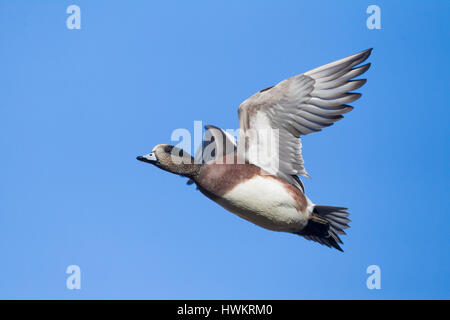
[{"x": 257, "y": 177}]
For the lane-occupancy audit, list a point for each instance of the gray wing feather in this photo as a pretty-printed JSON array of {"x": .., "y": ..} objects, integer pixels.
[
  {"x": 301, "y": 105},
  {"x": 215, "y": 142}
]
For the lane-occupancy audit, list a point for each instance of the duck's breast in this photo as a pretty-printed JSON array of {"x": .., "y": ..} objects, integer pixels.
[
  {"x": 260, "y": 198},
  {"x": 267, "y": 202}
]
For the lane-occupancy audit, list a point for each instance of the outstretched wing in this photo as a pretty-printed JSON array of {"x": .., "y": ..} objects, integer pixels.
[{"x": 272, "y": 120}]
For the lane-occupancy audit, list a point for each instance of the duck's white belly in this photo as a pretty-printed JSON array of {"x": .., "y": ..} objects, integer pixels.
[{"x": 265, "y": 202}]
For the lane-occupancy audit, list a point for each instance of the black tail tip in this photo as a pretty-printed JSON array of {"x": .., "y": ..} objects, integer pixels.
[{"x": 334, "y": 242}]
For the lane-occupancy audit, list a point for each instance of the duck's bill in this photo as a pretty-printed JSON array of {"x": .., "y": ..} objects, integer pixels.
[{"x": 149, "y": 158}]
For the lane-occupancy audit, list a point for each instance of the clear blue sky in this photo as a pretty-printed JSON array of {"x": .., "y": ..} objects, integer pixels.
[{"x": 77, "y": 107}]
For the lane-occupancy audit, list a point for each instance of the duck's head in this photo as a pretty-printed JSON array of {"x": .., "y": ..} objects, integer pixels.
[{"x": 172, "y": 159}]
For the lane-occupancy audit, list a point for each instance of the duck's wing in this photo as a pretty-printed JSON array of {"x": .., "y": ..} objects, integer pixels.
[
  {"x": 272, "y": 120},
  {"x": 215, "y": 142}
]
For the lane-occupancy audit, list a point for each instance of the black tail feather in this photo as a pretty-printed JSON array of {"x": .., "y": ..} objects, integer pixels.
[{"x": 325, "y": 225}]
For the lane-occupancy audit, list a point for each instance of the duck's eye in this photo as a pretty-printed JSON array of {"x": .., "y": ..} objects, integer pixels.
[{"x": 168, "y": 149}]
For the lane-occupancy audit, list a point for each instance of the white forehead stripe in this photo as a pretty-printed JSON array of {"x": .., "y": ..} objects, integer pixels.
[{"x": 156, "y": 147}]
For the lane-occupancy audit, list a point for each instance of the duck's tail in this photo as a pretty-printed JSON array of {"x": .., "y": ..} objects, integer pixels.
[{"x": 325, "y": 225}]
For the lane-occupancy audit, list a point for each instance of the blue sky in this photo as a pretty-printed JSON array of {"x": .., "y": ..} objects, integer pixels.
[{"x": 77, "y": 107}]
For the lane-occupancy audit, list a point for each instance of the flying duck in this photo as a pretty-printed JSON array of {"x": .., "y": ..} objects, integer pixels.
[{"x": 257, "y": 178}]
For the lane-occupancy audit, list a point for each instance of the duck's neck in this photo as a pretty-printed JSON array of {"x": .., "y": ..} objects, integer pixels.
[{"x": 189, "y": 170}]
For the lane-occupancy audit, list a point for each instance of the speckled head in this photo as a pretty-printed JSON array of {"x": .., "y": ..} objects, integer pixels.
[{"x": 171, "y": 159}]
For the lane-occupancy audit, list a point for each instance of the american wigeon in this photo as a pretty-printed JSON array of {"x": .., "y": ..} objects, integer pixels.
[{"x": 259, "y": 181}]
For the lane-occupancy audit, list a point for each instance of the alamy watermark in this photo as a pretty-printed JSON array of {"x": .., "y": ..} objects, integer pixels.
[
  {"x": 256, "y": 145},
  {"x": 74, "y": 20},
  {"x": 74, "y": 280},
  {"x": 374, "y": 280},
  {"x": 374, "y": 20}
]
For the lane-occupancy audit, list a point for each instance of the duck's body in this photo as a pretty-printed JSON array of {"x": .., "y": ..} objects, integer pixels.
[
  {"x": 257, "y": 178},
  {"x": 255, "y": 195}
]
